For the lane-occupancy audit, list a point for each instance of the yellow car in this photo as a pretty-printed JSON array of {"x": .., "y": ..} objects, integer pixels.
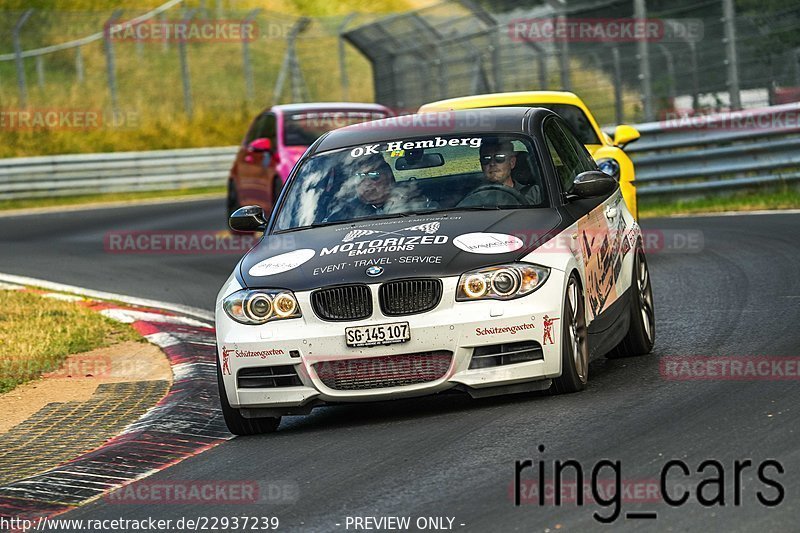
[{"x": 607, "y": 152}]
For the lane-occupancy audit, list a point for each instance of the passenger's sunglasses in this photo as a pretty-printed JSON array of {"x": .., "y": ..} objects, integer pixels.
[
  {"x": 498, "y": 158},
  {"x": 374, "y": 175}
]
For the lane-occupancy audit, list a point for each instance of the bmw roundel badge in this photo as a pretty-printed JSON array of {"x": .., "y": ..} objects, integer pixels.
[{"x": 374, "y": 271}]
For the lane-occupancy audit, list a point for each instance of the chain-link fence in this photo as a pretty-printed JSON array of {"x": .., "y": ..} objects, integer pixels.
[
  {"x": 631, "y": 60},
  {"x": 175, "y": 61}
]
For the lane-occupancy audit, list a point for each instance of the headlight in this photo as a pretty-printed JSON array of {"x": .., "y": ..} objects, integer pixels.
[
  {"x": 609, "y": 166},
  {"x": 260, "y": 306},
  {"x": 504, "y": 282}
]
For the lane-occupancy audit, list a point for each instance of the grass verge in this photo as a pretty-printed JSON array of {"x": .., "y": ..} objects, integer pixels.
[
  {"x": 37, "y": 334},
  {"x": 787, "y": 198},
  {"x": 102, "y": 198}
]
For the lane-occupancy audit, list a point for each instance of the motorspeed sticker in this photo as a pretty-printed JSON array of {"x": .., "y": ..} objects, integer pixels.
[
  {"x": 488, "y": 243},
  {"x": 282, "y": 263}
]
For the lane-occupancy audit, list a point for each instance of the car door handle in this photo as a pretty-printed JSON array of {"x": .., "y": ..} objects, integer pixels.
[{"x": 611, "y": 212}]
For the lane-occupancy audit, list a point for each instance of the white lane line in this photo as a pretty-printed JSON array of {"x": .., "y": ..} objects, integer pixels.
[
  {"x": 63, "y": 297},
  {"x": 108, "y": 205},
  {"x": 10, "y": 287},
  {"x": 127, "y": 316},
  {"x": 202, "y": 314}
]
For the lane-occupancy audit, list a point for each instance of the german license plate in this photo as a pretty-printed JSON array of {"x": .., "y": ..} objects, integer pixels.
[{"x": 377, "y": 335}]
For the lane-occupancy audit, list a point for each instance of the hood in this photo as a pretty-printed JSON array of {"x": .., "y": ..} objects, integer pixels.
[{"x": 447, "y": 244}]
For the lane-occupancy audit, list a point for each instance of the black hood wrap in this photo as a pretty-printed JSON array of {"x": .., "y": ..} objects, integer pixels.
[{"x": 432, "y": 246}]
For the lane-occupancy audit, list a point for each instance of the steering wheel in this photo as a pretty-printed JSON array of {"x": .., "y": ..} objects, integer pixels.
[{"x": 518, "y": 196}]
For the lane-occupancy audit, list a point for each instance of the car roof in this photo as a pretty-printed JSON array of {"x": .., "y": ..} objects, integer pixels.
[
  {"x": 480, "y": 121},
  {"x": 500, "y": 99},
  {"x": 318, "y": 106}
]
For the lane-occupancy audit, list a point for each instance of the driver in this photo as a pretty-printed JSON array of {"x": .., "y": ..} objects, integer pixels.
[
  {"x": 377, "y": 192},
  {"x": 497, "y": 160}
]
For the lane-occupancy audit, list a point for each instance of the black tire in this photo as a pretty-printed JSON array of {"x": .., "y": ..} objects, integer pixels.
[
  {"x": 237, "y": 424},
  {"x": 233, "y": 199},
  {"x": 574, "y": 342},
  {"x": 642, "y": 330}
]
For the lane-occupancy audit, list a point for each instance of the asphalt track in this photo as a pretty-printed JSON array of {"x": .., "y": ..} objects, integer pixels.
[{"x": 450, "y": 456}]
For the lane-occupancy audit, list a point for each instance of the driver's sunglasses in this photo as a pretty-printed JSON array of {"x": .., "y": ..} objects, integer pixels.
[
  {"x": 374, "y": 175},
  {"x": 498, "y": 158}
]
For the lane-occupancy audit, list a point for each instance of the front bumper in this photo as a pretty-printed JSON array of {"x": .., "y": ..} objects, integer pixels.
[{"x": 306, "y": 344}]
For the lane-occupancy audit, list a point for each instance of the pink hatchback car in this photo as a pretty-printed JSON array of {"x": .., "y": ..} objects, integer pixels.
[{"x": 275, "y": 141}]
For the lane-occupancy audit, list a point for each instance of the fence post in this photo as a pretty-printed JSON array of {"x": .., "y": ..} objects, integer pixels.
[
  {"x": 187, "y": 83},
  {"x": 619, "y": 113},
  {"x": 643, "y": 55},
  {"x": 23, "y": 92},
  {"x": 40, "y": 71},
  {"x": 165, "y": 42},
  {"x": 248, "y": 67},
  {"x": 671, "y": 91},
  {"x": 79, "y": 64},
  {"x": 343, "y": 58},
  {"x": 110, "y": 67},
  {"x": 731, "y": 59},
  {"x": 563, "y": 58}
]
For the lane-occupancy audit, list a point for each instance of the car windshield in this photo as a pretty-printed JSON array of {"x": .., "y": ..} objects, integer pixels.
[
  {"x": 411, "y": 176},
  {"x": 302, "y": 129}
]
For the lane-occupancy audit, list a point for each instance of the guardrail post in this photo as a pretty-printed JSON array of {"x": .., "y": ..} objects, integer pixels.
[
  {"x": 619, "y": 113},
  {"x": 187, "y": 83},
  {"x": 731, "y": 59},
  {"x": 248, "y": 67},
  {"x": 23, "y": 92},
  {"x": 110, "y": 67},
  {"x": 343, "y": 58},
  {"x": 79, "y": 64},
  {"x": 643, "y": 55}
]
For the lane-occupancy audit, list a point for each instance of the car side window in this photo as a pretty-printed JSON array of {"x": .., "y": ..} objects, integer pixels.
[
  {"x": 264, "y": 127},
  {"x": 565, "y": 158},
  {"x": 585, "y": 158}
]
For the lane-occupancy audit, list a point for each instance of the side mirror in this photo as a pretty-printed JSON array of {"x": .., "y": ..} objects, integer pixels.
[
  {"x": 247, "y": 219},
  {"x": 625, "y": 134},
  {"x": 260, "y": 145},
  {"x": 591, "y": 184}
]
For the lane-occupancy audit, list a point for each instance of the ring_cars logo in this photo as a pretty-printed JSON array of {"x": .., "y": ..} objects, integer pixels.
[{"x": 401, "y": 243}]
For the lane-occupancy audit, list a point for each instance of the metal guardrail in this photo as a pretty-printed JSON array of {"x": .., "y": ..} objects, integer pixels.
[
  {"x": 71, "y": 175},
  {"x": 726, "y": 151},
  {"x": 669, "y": 160}
]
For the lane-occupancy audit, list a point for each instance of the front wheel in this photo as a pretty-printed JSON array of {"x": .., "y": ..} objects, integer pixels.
[
  {"x": 237, "y": 424},
  {"x": 642, "y": 330},
  {"x": 574, "y": 342}
]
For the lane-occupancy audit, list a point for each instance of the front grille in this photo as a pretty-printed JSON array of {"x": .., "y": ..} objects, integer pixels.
[
  {"x": 348, "y": 302},
  {"x": 268, "y": 377},
  {"x": 506, "y": 354},
  {"x": 383, "y": 372},
  {"x": 410, "y": 296}
]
